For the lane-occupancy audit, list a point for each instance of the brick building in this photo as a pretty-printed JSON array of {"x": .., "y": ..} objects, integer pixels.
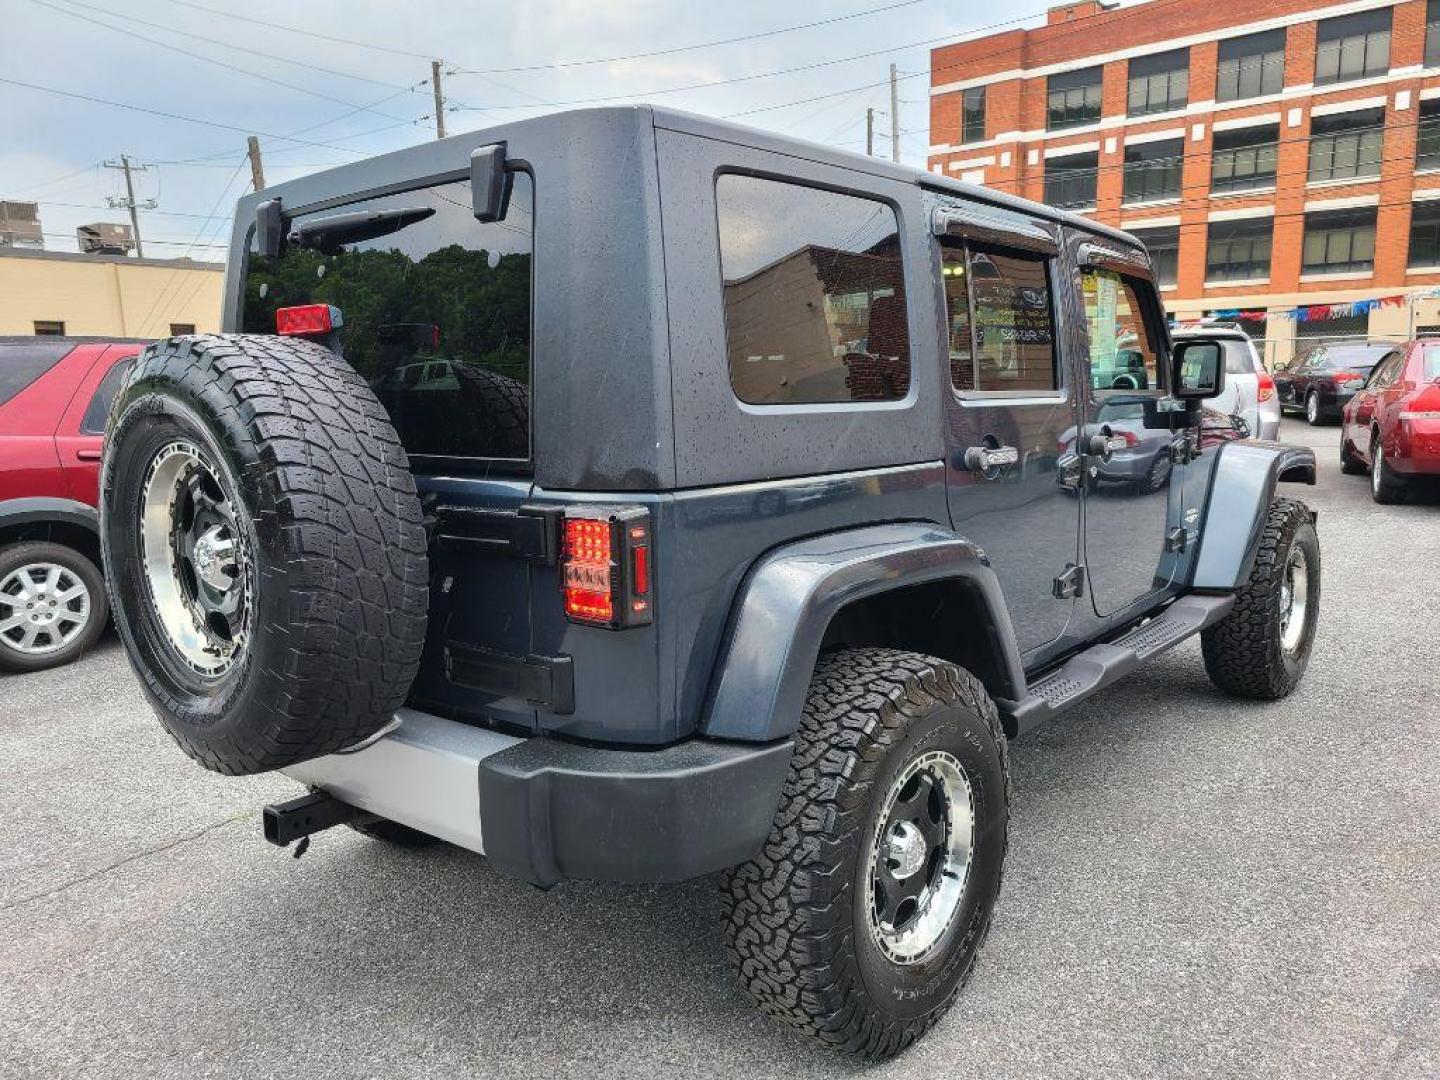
[{"x": 1273, "y": 154}]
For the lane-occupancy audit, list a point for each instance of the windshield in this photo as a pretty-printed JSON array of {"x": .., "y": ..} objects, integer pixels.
[{"x": 1359, "y": 358}]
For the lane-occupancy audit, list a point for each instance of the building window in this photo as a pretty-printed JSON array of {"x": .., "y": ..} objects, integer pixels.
[
  {"x": 1251, "y": 66},
  {"x": 972, "y": 115},
  {"x": 1070, "y": 181},
  {"x": 1425, "y": 234},
  {"x": 1152, "y": 170},
  {"x": 1159, "y": 83},
  {"x": 181, "y": 329},
  {"x": 814, "y": 294},
  {"x": 1339, "y": 241},
  {"x": 1427, "y": 142},
  {"x": 1346, "y": 146},
  {"x": 46, "y": 328},
  {"x": 1432, "y": 34},
  {"x": 1353, "y": 46},
  {"x": 1072, "y": 98},
  {"x": 1164, "y": 248},
  {"x": 1244, "y": 160},
  {"x": 1238, "y": 250}
]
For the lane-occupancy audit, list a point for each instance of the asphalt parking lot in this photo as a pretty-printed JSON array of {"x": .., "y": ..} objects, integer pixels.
[{"x": 1195, "y": 887}]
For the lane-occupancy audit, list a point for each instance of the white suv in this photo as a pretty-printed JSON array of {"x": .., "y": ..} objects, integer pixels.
[{"x": 1249, "y": 390}]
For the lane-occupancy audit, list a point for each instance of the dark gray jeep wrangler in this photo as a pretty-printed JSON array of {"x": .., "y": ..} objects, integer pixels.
[{"x": 627, "y": 495}]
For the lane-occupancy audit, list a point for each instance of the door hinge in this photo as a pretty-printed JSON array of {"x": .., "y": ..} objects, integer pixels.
[
  {"x": 1176, "y": 539},
  {"x": 531, "y": 533},
  {"x": 1069, "y": 583}
]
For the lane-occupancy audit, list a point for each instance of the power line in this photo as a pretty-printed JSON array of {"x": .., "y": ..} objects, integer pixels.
[
  {"x": 687, "y": 48},
  {"x": 232, "y": 47},
  {"x": 210, "y": 60},
  {"x": 307, "y": 33},
  {"x": 186, "y": 119}
]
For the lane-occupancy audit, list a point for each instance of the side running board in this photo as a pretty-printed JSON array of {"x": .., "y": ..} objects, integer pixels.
[{"x": 1089, "y": 672}]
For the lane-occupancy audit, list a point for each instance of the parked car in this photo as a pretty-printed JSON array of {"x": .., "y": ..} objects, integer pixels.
[
  {"x": 55, "y": 394},
  {"x": 1321, "y": 379},
  {"x": 550, "y": 650},
  {"x": 1391, "y": 426},
  {"x": 1249, "y": 389}
]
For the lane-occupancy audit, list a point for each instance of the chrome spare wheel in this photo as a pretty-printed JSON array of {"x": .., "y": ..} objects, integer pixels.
[
  {"x": 1294, "y": 600},
  {"x": 43, "y": 607},
  {"x": 195, "y": 559},
  {"x": 919, "y": 857}
]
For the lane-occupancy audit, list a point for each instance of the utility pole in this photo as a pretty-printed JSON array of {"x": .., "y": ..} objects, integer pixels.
[
  {"x": 869, "y": 132},
  {"x": 439, "y": 99},
  {"x": 129, "y": 202},
  {"x": 894, "y": 116},
  {"x": 257, "y": 170}
]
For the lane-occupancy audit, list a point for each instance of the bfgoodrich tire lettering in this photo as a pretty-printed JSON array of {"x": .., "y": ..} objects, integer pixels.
[
  {"x": 331, "y": 530},
  {"x": 1246, "y": 653},
  {"x": 797, "y": 914}
]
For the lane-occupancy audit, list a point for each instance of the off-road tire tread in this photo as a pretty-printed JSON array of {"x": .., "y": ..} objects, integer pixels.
[
  {"x": 355, "y": 561},
  {"x": 787, "y": 911},
  {"x": 1242, "y": 652}
]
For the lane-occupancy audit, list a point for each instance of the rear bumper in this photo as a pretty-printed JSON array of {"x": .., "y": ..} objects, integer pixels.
[
  {"x": 1417, "y": 448},
  {"x": 545, "y": 810}
]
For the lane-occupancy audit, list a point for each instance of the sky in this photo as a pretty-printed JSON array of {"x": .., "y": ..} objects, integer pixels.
[{"x": 347, "y": 79}]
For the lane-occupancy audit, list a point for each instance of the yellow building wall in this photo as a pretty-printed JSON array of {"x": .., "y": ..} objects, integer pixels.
[{"x": 107, "y": 298}]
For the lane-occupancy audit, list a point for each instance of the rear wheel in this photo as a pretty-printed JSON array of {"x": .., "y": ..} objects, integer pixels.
[
  {"x": 1385, "y": 486},
  {"x": 265, "y": 549},
  {"x": 1312, "y": 409},
  {"x": 1262, "y": 647},
  {"x": 52, "y": 605},
  {"x": 861, "y": 917}
]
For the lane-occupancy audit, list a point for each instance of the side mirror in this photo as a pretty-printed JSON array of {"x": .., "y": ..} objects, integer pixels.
[{"x": 1197, "y": 369}]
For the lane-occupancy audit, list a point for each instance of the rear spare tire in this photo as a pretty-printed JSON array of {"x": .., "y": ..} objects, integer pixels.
[{"x": 264, "y": 548}]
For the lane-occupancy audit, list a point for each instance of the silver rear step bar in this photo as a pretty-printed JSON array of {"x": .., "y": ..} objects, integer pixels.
[{"x": 423, "y": 771}]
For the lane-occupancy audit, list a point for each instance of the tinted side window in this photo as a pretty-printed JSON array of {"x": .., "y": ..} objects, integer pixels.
[
  {"x": 1123, "y": 355},
  {"x": 98, "y": 411},
  {"x": 20, "y": 365},
  {"x": 1002, "y": 324},
  {"x": 436, "y": 315},
  {"x": 814, "y": 294}
]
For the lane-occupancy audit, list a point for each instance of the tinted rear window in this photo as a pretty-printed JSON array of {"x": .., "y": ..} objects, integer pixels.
[
  {"x": 437, "y": 315},
  {"x": 98, "y": 411},
  {"x": 1238, "y": 360},
  {"x": 814, "y": 294},
  {"x": 21, "y": 365}
]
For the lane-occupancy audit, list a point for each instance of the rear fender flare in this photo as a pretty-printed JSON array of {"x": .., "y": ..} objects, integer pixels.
[
  {"x": 791, "y": 595},
  {"x": 1241, "y": 488}
]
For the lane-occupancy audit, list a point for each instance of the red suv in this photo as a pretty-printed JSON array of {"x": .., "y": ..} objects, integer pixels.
[
  {"x": 1392, "y": 424},
  {"x": 55, "y": 394}
]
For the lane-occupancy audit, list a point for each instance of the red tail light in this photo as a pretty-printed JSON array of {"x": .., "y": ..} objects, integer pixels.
[
  {"x": 1267, "y": 388},
  {"x": 1425, "y": 405},
  {"x": 605, "y": 566},
  {"x": 1348, "y": 377},
  {"x": 308, "y": 320}
]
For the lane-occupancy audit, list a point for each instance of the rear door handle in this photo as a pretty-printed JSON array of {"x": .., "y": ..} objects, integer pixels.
[
  {"x": 88, "y": 455},
  {"x": 985, "y": 458}
]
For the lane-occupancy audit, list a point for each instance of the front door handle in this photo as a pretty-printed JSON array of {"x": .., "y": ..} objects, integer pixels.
[
  {"x": 88, "y": 455},
  {"x": 1105, "y": 444},
  {"x": 985, "y": 458}
]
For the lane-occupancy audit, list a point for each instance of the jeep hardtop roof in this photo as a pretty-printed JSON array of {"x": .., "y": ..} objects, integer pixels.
[{"x": 358, "y": 177}]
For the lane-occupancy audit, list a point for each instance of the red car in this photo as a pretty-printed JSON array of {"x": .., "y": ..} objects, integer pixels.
[
  {"x": 1392, "y": 425},
  {"x": 55, "y": 394}
]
